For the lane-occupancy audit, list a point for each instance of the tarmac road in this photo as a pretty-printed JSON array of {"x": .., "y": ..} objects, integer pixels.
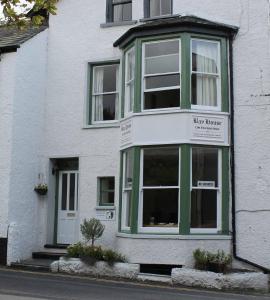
[{"x": 20, "y": 285}]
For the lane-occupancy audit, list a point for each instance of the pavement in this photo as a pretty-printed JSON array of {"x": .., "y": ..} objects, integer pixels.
[{"x": 22, "y": 285}]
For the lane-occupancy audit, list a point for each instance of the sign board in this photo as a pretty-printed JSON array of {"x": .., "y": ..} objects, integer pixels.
[
  {"x": 208, "y": 128},
  {"x": 206, "y": 184},
  {"x": 105, "y": 215},
  {"x": 126, "y": 133}
]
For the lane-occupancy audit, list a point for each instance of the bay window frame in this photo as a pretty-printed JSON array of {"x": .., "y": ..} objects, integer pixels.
[
  {"x": 169, "y": 230},
  {"x": 218, "y": 189}
]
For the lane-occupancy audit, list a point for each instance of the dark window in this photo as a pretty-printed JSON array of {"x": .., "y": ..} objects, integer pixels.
[
  {"x": 106, "y": 191},
  {"x": 119, "y": 10},
  {"x": 156, "y": 8}
]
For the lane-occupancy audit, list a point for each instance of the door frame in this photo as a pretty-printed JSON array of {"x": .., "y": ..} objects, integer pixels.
[{"x": 56, "y": 207}]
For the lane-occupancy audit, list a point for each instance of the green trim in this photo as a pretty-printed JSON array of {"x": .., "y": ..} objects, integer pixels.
[
  {"x": 225, "y": 191},
  {"x": 120, "y": 191},
  {"x": 185, "y": 72},
  {"x": 90, "y": 84},
  {"x": 122, "y": 112},
  {"x": 138, "y": 77},
  {"x": 56, "y": 208},
  {"x": 135, "y": 190},
  {"x": 224, "y": 76},
  {"x": 185, "y": 190}
]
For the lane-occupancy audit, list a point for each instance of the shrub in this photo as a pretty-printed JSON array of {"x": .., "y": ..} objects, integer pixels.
[
  {"x": 112, "y": 257},
  {"x": 215, "y": 262},
  {"x": 91, "y": 230},
  {"x": 91, "y": 254},
  {"x": 75, "y": 250}
]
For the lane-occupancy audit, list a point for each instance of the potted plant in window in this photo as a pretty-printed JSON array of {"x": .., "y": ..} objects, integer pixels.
[{"x": 41, "y": 189}]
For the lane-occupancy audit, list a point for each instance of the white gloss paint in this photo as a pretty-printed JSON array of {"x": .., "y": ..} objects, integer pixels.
[{"x": 51, "y": 125}]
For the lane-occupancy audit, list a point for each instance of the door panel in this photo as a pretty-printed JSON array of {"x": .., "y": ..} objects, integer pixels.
[{"x": 67, "y": 229}]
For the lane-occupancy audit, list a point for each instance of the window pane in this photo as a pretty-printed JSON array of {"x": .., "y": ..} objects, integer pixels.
[
  {"x": 162, "y": 99},
  {"x": 72, "y": 192},
  {"x": 204, "y": 90},
  {"x": 162, "y": 64},
  {"x": 130, "y": 96},
  {"x": 154, "y": 8},
  {"x": 105, "y": 107},
  {"x": 161, "y": 167},
  {"x": 204, "y": 56},
  {"x": 130, "y": 74},
  {"x": 162, "y": 48},
  {"x": 128, "y": 169},
  {"x": 106, "y": 191},
  {"x": 64, "y": 192},
  {"x": 122, "y": 12},
  {"x": 205, "y": 167},
  {"x": 127, "y": 212},
  {"x": 105, "y": 79},
  {"x": 162, "y": 81},
  {"x": 160, "y": 208},
  {"x": 166, "y": 7},
  {"x": 204, "y": 209},
  {"x": 130, "y": 64}
]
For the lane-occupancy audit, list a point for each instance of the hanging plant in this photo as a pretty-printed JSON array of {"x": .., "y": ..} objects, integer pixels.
[{"x": 41, "y": 189}]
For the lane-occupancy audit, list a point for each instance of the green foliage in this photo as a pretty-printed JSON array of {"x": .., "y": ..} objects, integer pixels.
[
  {"x": 91, "y": 230},
  {"x": 111, "y": 256},
  {"x": 216, "y": 262},
  {"x": 92, "y": 254},
  {"x": 15, "y": 11}
]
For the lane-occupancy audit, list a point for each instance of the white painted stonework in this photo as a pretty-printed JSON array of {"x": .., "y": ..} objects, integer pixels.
[
  {"x": 252, "y": 281},
  {"x": 43, "y": 100}
]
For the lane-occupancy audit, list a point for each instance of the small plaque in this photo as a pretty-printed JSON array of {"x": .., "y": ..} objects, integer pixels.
[
  {"x": 71, "y": 215},
  {"x": 105, "y": 215},
  {"x": 206, "y": 184}
]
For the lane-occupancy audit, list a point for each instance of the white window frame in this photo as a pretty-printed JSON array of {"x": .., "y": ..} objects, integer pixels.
[
  {"x": 170, "y": 230},
  {"x": 160, "y": 14},
  {"x": 219, "y": 195},
  {"x": 125, "y": 191},
  {"x": 117, "y": 92},
  {"x": 99, "y": 192},
  {"x": 218, "y": 75},
  {"x": 128, "y": 112},
  {"x": 143, "y": 81}
]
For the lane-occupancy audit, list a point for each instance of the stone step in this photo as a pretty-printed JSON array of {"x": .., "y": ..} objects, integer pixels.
[
  {"x": 40, "y": 265},
  {"x": 48, "y": 255},
  {"x": 56, "y": 246}
]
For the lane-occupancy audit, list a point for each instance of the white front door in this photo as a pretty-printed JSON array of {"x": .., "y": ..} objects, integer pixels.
[{"x": 67, "y": 229}]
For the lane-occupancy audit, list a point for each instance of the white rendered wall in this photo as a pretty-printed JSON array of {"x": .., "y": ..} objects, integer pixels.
[
  {"x": 75, "y": 38},
  {"x": 27, "y": 210},
  {"x": 7, "y": 83}
]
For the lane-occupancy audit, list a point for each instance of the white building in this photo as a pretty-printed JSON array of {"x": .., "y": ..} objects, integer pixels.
[{"x": 151, "y": 115}]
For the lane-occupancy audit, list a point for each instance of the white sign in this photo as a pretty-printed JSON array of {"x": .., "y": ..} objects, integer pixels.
[
  {"x": 126, "y": 133},
  {"x": 206, "y": 184},
  {"x": 208, "y": 128},
  {"x": 105, "y": 215}
]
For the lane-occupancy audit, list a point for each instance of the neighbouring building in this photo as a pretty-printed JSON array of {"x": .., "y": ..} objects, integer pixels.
[{"x": 150, "y": 115}]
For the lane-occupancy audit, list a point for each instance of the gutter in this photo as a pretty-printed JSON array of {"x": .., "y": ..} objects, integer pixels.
[{"x": 265, "y": 270}]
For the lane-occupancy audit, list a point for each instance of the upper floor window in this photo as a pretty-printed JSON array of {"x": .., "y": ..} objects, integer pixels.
[
  {"x": 119, "y": 10},
  {"x": 156, "y": 8},
  {"x": 161, "y": 74},
  {"x": 129, "y": 80},
  {"x": 105, "y": 93},
  {"x": 206, "y": 84}
]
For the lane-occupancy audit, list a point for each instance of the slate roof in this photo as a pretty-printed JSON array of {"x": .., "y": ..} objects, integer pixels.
[
  {"x": 11, "y": 37},
  {"x": 174, "y": 24}
]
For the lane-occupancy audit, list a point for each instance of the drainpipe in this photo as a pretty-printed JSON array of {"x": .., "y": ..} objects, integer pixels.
[{"x": 265, "y": 270}]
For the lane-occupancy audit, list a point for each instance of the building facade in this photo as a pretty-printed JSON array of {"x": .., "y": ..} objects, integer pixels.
[{"x": 151, "y": 116}]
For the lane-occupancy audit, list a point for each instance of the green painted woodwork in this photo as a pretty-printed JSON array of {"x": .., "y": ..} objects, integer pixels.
[
  {"x": 56, "y": 208},
  {"x": 135, "y": 190},
  {"x": 224, "y": 76},
  {"x": 120, "y": 191},
  {"x": 185, "y": 72},
  {"x": 185, "y": 190},
  {"x": 225, "y": 190},
  {"x": 138, "y": 76}
]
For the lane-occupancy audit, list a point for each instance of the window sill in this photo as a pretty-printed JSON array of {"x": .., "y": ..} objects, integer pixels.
[
  {"x": 103, "y": 125},
  {"x": 114, "y": 24},
  {"x": 105, "y": 207},
  {"x": 159, "y": 17},
  {"x": 174, "y": 236}
]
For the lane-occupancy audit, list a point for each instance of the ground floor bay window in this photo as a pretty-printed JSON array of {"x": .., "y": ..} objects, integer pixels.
[{"x": 174, "y": 189}]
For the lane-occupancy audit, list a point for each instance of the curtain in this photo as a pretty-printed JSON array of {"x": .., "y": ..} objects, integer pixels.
[
  {"x": 154, "y": 8},
  {"x": 99, "y": 74},
  {"x": 206, "y": 62},
  {"x": 117, "y": 12}
]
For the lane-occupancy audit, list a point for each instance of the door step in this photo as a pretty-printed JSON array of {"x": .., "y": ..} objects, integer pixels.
[
  {"x": 48, "y": 255},
  {"x": 56, "y": 246},
  {"x": 40, "y": 265}
]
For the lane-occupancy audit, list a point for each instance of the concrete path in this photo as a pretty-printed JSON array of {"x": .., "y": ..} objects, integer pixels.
[{"x": 20, "y": 285}]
